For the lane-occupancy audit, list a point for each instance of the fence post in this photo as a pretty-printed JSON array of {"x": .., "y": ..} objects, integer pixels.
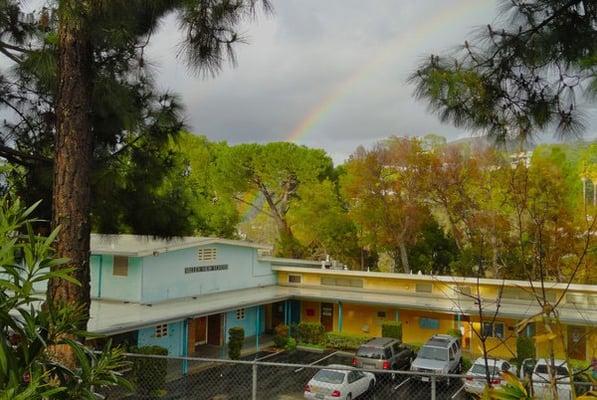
[
  {"x": 433, "y": 385},
  {"x": 254, "y": 387}
]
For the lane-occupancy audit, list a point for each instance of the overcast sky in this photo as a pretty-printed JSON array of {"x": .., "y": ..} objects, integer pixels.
[{"x": 329, "y": 74}]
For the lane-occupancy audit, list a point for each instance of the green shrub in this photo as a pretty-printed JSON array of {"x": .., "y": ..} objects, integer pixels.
[
  {"x": 290, "y": 345},
  {"x": 414, "y": 346},
  {"x": 281, "y": 337},
  {"x": 525, "y": 348},
  {"x": 150, "y": 373},
  {"x": 293, "y": 331},
  {"x": 392, "y": 329},
  {"x": 455, "y": 333},
  {"x": 311, "y": 332},
  {"x": 467, "y": 363},
  {"x": 344, "y": 341},
  {"x": 236, "y": 337}
]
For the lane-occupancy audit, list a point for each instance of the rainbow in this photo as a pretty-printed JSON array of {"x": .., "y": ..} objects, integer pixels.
[{"x": 402, "y": 42}]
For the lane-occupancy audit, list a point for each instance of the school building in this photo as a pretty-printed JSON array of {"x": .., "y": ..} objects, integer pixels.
[{"x": 185, "y": 293}]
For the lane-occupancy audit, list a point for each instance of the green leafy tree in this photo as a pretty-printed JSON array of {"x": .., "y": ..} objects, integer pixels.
[
  {"x": 32, "y": 334},
  {"x": 82, "y": 92},
  {"x": 521, "y": 76},
  {"x": 275, "y": 172}
]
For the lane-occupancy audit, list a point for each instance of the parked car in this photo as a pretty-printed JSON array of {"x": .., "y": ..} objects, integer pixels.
[
  {"x": 440, "y": 355},
  {"x": 539, "y": 373},
  {"x": 476, "y": 377},
  {"x": 339, "y": 382},
  {"x": 384, "y": 354}
]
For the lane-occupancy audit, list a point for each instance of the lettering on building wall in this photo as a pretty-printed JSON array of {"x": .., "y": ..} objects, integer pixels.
[{"x": 205, "y": 268}]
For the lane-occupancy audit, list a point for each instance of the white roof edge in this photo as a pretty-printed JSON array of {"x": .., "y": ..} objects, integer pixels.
[
  {"x": 439, "y": 278},
  {"x": 145, "y": 245},
  {"x": 295, "y": 261}
]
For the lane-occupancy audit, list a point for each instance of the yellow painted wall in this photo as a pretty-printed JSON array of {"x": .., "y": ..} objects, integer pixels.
[
  {"x": 496, "y": 347},
  {"x": 413, "y": 333},
  {"x": 363, "y": 320},
  {"x": 305, "y": 305}
]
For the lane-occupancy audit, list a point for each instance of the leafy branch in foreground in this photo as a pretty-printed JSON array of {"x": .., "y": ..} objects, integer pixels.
[{"x": 31, "y": 331}]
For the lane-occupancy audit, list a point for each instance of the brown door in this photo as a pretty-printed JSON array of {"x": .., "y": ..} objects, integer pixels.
[
  {"x": 327, "y": 316},
  {"x": 214, "y": 329},
  {"x": 577, "y": 342},
  {"x": 200, "y": 331},
  {"x": 277, "y": 314}
]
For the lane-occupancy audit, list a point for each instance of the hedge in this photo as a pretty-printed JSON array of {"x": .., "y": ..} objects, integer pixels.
[
  {"x": 235, "y": 342},
  {"x": 344, "y": 341},
  {"x": 311, "y": 332},
  {"x": 281, "y": 337},
  {"x": 525, "y": 348},
  {"x": 392, "y": 329},
  {"x": 150, "y": 373}
]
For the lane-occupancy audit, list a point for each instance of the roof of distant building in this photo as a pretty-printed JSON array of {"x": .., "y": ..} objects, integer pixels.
[{"x": 139, "y": 246}]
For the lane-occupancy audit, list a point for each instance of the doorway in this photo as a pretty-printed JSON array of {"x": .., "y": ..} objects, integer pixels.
[
  {"x": 577, "y": 342},
  {"x": 214, "y": 329},
  {"x": 327, "y": 316},
  {"x": 277, "y": 314}
]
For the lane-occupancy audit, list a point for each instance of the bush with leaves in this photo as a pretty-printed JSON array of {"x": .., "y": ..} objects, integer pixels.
[
  {"x": 281, "y": 337},
  {"x": 525, "y": 348},
  {"x": 235, "y": 342},
  {"x": 392, "y": 329},
  {"x": 150, "y": 373},
  {"x": 30, "y": 329},
  {"x": 344, "y": 341},
  {"x": 311, "y": 332}
]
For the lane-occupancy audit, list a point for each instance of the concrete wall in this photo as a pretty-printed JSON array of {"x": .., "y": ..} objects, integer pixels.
[
  {"x": 106, "y": 285},
  {"x": 249, "y": 323},
  {"x": 174, "y": 341},
  {"x": 164, "y": 275}
]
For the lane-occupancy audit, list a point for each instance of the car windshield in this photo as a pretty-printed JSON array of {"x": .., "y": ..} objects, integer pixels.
[
  {"x": 433, "y": 353},
  {"x": 327, "y": 376},
  {"x": 480, "y": 369},
  {"x": 370, "y": 352},
  {"x": 560, "y": 370}
]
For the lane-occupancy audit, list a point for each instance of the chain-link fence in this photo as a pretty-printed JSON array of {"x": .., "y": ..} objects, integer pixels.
[{"x": 290, "y": 376}]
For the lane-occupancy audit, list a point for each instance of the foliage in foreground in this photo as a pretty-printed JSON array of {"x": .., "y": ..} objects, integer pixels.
[{"x": 30, "y": 331}]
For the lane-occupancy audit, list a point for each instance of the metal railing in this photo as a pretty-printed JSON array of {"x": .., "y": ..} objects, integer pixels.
[{"x": 286, "y": 376}]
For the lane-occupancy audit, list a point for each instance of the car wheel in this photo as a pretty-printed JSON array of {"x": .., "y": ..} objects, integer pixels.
[
  {"x": 371, "y": 386},
  {"x": 349, "y": 396}
]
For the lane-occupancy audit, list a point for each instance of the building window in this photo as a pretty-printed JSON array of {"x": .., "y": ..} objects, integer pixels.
[
  {"x": 381, "y": 314},
  {"x": 463, "y": 290},
  {"x": 345, "y": 282},
  {"x": 161, "y": 330},
  {"x": 423, "y": 287},
  {"x": 121, "y": 266},
  {"x": 495, "y": 329},
  {"x": 240, "y": 314},
  {"x": 206, "y": 254},
  {"x": 428, "y": 323},
  {"x": 294, "y": 279}
]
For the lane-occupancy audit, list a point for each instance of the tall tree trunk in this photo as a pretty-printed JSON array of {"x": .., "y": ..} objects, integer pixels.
[
  {"x": 404, "y": 258},
  {"x": 72, "y": 161}
]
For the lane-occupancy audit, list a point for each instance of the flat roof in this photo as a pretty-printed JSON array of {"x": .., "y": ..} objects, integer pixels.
[
  {"x": 110, "y": 317},
  {"x": 455, "y": 280},
  {"x": 139, "y": 245},
  {"x": 289, "y": 261}
]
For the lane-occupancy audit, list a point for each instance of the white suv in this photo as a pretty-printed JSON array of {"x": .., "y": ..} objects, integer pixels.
[
  {"x": 441, "y": 355},
  {"x": 538, "y": 370}
]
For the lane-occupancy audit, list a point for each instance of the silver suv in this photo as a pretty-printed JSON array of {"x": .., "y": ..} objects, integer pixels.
[
  {"x": 440, "y": 355},
  {"x": 383, "y": 353}
]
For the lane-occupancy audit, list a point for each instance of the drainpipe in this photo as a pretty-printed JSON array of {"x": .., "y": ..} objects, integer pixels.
[
  {"x": 185, "y": 346},
  {"x": 340, "y": 316},
  {"x": 257, "y": 328}
]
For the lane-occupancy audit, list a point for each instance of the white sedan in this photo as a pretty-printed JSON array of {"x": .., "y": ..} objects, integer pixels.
[
  {"x": 339, "y": 382},
  {"x": 476, "y": 378}
]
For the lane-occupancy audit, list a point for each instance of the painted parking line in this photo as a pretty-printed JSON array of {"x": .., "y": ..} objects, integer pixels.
[
  {"x": 458, "y": 391},
  {"x": 318, "y": 361},
  {"x": 265, "y": 357},
  {"x": 400, "y": 384}
]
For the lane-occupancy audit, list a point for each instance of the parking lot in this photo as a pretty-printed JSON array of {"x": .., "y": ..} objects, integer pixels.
[{"x": 214, "y": 381}]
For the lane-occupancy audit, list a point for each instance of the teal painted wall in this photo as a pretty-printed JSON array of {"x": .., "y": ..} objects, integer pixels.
[
  {"x": 249, "y": 324},
  {"x": 105, "y": 285},
  {"x": 173, "y": 341},
  {"x": 164, "y": 277}
]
